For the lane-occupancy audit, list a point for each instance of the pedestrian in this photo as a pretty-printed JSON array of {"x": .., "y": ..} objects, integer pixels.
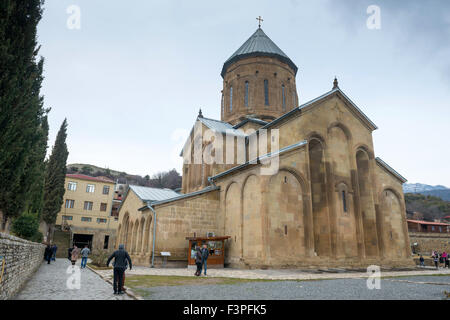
[
  {"x": 84, "y": 256},
  {"x": 54, "y": 248},
  {"x": 436, "y": 260},
  {"x": 422, "y": 261},
  {"x": 69, "y": 252},
  {"x": 121, "y": 257},
  {"x": 48, "y": 253},
  {"x": 75, "y": 253},
  {"x": 198, "y": 260},
  {"x": 205, "y": 255},
  {"x": 444, "y": 258}
]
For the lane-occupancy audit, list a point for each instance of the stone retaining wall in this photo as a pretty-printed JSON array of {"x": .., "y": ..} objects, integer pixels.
[
  {"x": 427, "y": 242},
  {"x": 22, "y": 259}
]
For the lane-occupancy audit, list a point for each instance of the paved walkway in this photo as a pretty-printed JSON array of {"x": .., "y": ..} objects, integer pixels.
[
  {"x": 284, "y": 274},
  {"x": 50, "y": 283}
]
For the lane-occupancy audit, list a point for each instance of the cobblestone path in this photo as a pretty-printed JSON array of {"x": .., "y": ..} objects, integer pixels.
[{"x": 50, "y": 283}]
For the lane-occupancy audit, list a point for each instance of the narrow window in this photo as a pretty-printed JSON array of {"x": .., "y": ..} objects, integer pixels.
[
  {"x": 246, "y": 94},
  {"x": 105, "y": 189},
  {"x": 283, "y": 97},
  {"x": 105, "y": 244},
  {"x": 344, "y": 201},
  {"x": 103, "y": 206},
  {"x": 285, "y": 230},
  {"x": 231, "y": 99},
  {"x": 266, "y": 92}
]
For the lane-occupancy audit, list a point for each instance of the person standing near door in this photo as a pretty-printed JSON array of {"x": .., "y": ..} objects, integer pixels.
[{"x": 84, "y": 256}]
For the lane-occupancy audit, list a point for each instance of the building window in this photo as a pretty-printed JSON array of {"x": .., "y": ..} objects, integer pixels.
[
  {"x": 344, "y": 201},
  {"x": 86, "y": 219},
  {"x": 283, "y": 97},
  {"x": 101, "y": 220},
  {"x": 105, "y": 189},
  {"x": 90, "y": 188},
  {"x": 88, "y": 205},
  {"x": 105, "y": 244},
  {"x": 432, "y": 228},
  {"x": 72, "y": 186},
  {"x": 70, "y": 203},
  {"x": 266, "y": 92},
  {"x": 67, "y": 217},
  {"x": 231, "y": 99},
  {"x": 102, "y": 206},
  {"x": 246, "y": 94},
  {"x": 440, "y": 229}
]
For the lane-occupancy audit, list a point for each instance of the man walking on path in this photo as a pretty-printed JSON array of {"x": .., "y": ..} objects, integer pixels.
[
  {"x": 84, "y": 256},
  {"x": 54, "y": 248},
  {"x": 205, "y": 255},
  {"x": 121, "y": 257},
  {"x": 75, "y": 253}
]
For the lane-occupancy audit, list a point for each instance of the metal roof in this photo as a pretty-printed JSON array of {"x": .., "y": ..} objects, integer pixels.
[
  {"x": 220, "y": 126},
  {"x": 250, "y": 119},
  {"x": 259, "y": 44},
  {"x": 153, "y": 194}
]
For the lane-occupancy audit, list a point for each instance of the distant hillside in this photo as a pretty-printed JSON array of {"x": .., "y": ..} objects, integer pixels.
[
  {"x": 420, "y": 188},
  {"x": 443, "y": 194},
  {"x": 429, "y": 206},
  {"x": 169, "y": 179}
]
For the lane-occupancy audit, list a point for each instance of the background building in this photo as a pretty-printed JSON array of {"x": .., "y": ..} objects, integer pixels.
[{"x": 86, "y": 214}]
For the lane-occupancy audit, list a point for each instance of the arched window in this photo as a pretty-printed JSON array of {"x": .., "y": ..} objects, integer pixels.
[
  {"x": 246, "y": 94},
  {"x": 344, "y": 201},
  {"x": 283, "y": 97},
  {"x": 231, "y": 99},
  {"x": 266, "y": 92}
]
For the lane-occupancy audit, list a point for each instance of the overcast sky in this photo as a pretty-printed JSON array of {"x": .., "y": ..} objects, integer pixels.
[{"x": 131, "y": 80}]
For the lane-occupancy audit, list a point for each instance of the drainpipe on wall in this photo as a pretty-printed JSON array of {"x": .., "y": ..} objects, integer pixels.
[{"x": 154, "y": 233}]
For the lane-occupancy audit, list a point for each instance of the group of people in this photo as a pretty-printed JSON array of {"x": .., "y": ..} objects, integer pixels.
[
  {"x": 74, "y": 253},
  {"x": 201, "y": 258},
  {"x": 438, "y": 259},
  {"x": 50, "y": 253}
]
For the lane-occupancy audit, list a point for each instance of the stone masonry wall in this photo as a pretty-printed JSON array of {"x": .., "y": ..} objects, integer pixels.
[
  {"x": 428, "y": 242},
  {"x": 22, "y": 258}
]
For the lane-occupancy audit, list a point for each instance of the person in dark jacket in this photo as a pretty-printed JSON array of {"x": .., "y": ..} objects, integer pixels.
[
  {"x": 69, "y": 252},
  {"x": 205, "y": 255},
  {"x": 198, "y": 261},
  {"x": 48, "y": 253},
  {"x": 54, "y": 249},
  {"x": 121, "y": 257}
]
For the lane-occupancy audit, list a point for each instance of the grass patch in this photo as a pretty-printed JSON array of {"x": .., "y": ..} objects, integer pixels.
[
  {"x": 98, "y": 268},
  {"x": 148, "y": 281}
]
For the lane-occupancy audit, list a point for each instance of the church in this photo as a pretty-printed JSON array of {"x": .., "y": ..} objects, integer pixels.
[{"x": 292, "y": 185}]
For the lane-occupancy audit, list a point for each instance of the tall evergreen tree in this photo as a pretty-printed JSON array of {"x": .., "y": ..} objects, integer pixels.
[
  {"x": 21, "y": 105},
  {"x": 55, "y": 178}
]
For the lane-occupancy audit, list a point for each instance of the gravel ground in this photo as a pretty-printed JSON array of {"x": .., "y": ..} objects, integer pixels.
[{"x": 352, "y": 289}]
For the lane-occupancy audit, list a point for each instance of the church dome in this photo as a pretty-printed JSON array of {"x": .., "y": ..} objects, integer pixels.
[{"x": 258, "y": 45}]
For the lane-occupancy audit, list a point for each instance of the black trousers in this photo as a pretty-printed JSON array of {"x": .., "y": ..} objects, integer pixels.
[
  {"x": 118, "y": 279},
  {"x": 199, "y": 268}
]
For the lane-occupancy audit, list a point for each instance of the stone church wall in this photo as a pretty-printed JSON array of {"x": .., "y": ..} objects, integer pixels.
[{"x": 22, "y": 259}]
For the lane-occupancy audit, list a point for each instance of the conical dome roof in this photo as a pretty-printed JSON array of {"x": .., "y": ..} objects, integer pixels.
[{"x": 259, "y": 44}]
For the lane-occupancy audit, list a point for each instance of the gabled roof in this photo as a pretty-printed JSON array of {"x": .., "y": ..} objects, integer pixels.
[
  {"x": 86, "y": 177},
  {"x": 153, "y": 194},
  {"x": 259, "y": 44},
  {"x": 259, "y": 159},
  {"x": 219, "y": 126},
  {"x": 250, "y": 119},
  {"x": 389, "y": 169}
]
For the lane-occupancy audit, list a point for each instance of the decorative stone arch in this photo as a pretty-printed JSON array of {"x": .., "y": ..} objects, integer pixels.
[
  {"x": 342, "y": 126},
  {"x": 135, "y": 236},
  {"x": 147, "y": 235},
  {"x": 365, "y": 148},
  {"x": 251, "y": 219},
  {"x": 317, "y": 136},
  {"x": 394, "y": 224},
  {"x": 140, "y": 235},
  {"x": 287, "y": 197},
  {"x": 129, "y": 236},
  {"x": 366, "y": 204},
  {"x": 232, "y": 223}
]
